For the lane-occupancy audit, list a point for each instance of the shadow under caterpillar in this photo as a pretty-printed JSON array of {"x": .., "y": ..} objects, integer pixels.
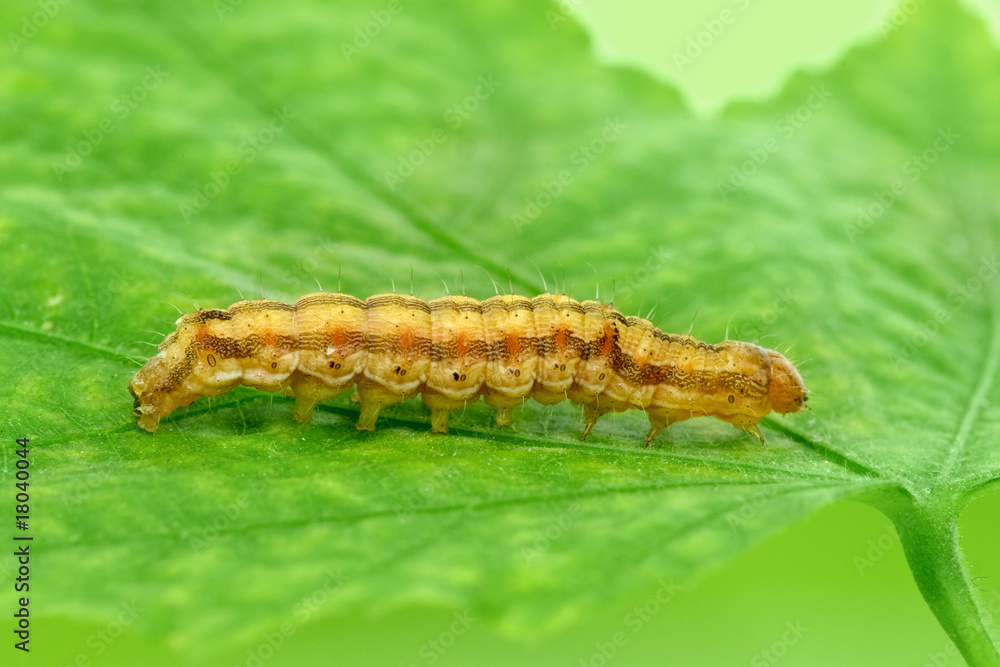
[{"x": 454, "y": 349}]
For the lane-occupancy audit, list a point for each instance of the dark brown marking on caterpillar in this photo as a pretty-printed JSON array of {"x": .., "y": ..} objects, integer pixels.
[{"x": 454, "y": 350}]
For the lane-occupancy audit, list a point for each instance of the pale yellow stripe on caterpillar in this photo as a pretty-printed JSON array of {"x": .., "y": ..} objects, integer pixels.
[
  {"x": 458, "y": 358},
  {"x": 454, "y": 350},
  {"x": 558, "y": 328},
  {"x": 332, "y": 334},
  {"x": 399, "y": 354},
  {"x": 512, "y": 353}
]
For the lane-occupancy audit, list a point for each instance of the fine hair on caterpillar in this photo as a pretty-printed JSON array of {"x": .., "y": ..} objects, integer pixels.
[{"x": 454, "y": 350}]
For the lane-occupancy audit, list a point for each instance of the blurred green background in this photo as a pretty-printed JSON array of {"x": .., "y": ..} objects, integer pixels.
[
  {"x": 808, "y": 576},
  {"x": 773, "y": 39}
]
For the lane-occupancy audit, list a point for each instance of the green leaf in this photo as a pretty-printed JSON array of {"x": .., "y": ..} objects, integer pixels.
[{"x": 158, "y": 157}]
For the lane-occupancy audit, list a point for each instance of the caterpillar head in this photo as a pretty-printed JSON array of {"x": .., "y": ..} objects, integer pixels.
[
  {"x": 788, "y": 391},
  {"x": 143, "y": 390},
  {"x": 152, "y": 390},
  {"x": 162, "y": 384}
]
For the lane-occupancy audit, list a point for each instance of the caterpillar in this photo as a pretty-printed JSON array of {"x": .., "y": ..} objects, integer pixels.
[{"x": 454, "y": 349}]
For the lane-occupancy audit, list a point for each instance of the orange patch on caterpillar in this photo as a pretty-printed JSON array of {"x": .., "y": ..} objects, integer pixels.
[
  {"x": 513, "y": 345},
  {"x": 405, "y": 338},
  {"x": 561, "y": 339},
  {"x": 609, "y": 340},
  {"x": 452, "y": 354}
]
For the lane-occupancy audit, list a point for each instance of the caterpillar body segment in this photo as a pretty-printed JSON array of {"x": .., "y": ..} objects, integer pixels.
[{"x": 454, "y": 350}]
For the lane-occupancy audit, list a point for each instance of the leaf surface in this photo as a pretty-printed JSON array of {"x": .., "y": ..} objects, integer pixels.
[{"x": 156, "y": 157}]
